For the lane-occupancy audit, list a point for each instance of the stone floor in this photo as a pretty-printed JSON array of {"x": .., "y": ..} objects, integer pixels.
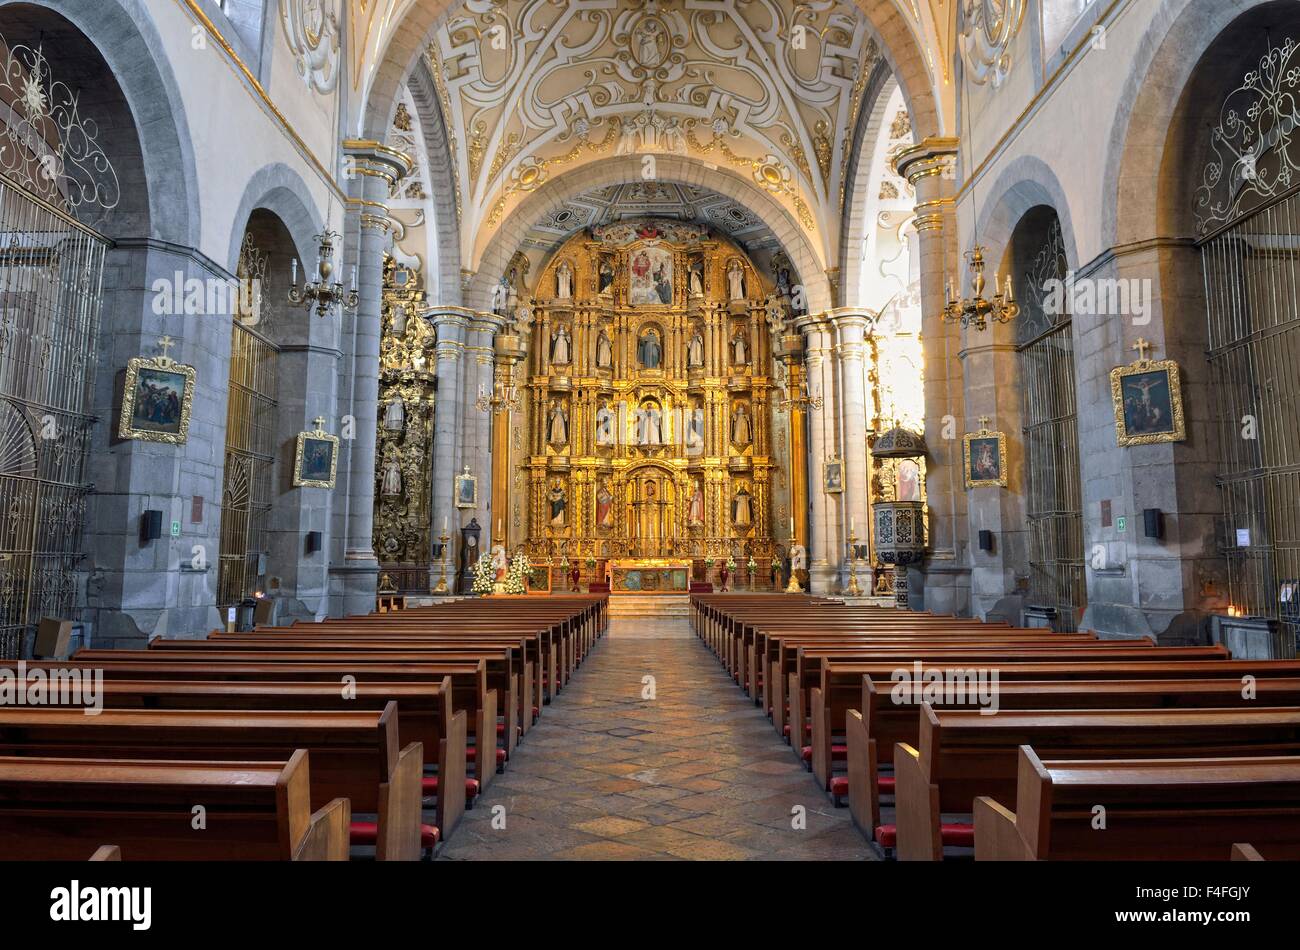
[{"x": 694, "y": 773}]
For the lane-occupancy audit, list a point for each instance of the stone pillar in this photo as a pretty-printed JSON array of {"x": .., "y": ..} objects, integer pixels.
[
  {"x": 508, "y": 350},
  {"x": 945, "y": 579},
  {"x": 824, "y": 554},
  {"x": 450, "y": 323},
  {"x": 792, "y": 354},
  {"x": 475, "y": 433},
  {"x": 354, "y": 569},
  {"x": 851, "y": 329}
]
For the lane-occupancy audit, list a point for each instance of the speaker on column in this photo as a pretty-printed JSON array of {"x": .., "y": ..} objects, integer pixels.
[
  {"x": 1153, "y": 522},
  {"x": 986, "y": 540},
  {"x": 313, "y": 542},
  {"x": 150, "y": 526}
]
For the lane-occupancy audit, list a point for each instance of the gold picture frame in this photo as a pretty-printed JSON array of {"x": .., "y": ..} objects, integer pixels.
[
  {"x": 466, "y": 490},
  {"x": 1148, "y": 400},
  {"x": 156, "y": 398},
  {"x": 833, "y": 475},
  {"x": 984, "y": 458},
  {"x": 316, "y": 450}
]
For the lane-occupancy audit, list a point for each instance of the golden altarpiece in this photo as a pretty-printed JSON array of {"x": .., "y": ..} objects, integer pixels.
[{"x": 648, "y": 437}]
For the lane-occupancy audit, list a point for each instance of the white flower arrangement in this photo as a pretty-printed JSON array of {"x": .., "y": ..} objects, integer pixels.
[{"x": 483, "y": 575}]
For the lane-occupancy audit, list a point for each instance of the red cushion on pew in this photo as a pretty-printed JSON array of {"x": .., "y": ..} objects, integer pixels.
[
  {"x": 840, "y": 786},
  {"x": 536, "y": 712},
  {"x": 886, "y": 784},
  {"x": 471, "y": 755},
  {"x": 838, "y": 752},
  {"x": 429, "y": 786},
  {"x": 954, "y": 835},
  {"x": 367, "y": 832}
]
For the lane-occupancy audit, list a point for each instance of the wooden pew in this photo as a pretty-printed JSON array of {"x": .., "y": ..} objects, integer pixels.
[
  {"x": 889, "y": 716},
  {"x": 1189, "y": 809},
  {"x": 107, "y": 852},
  {"x": 59, "y": 809},
  {"x": 963, "y": 754},
  {"x": 354, "y": 755}
]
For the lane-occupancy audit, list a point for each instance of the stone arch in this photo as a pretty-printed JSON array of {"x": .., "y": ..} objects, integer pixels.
[
  {"x": 859, "y": 205},
  {"x": 442, "y": 182},
  {"x": 1021, "y": 185},
  {"x": 124, "y": 36},
  {"x": 279, "y": 189},
  {"x": 671, "y": 168}
]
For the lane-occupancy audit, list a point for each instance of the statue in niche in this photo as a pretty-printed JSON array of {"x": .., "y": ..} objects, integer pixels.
[
  {"x": 564, "y": 280},
  {"x": 695, "y": 514},
  {"x": 560, "y": 349},
  {"x": 649, "y": 425},
  {"x": 604, "y": 351},
  {"x": 695, "y": 351},
  {"x": 742, "y": 430},
  {"x": 501, "y": 298},
  {"x": 783, "y": 283},
  {"x": 742, "y": 510},
  {"x": 604, "y": 506},
  {"x": 740, "y": 349},
  {"x": 798, "y": 559},
  {"x": 605, "y": 276},
  {"x": 695, "y": 431},
  {"x": 399, "y": 320},
  {"x": 500, "y": 563},
  {"x": 392, "y": 480},
  {"x": 559, "y": 500},
  {"x": 649, "y": 349},
  {"x": 395, "y": 414},
  {"x": 604, "y": 425},
  {"x": 735, "y": 281},
  {"x": 695, "y": 279},
  {"x": 558, "y": 429}
]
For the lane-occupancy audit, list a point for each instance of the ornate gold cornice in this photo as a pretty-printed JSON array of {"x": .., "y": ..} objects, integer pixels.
[{"x": 931, "y": 156}]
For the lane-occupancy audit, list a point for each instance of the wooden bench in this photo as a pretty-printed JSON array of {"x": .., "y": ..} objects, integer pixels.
[
  {"x": 964, "y": 754},
  {"x": 1190, "y": 809},
  {"x": 60, "y": 809}
]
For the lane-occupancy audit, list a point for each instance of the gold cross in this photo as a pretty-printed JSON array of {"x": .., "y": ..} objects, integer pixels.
[
  {"x": 1142, "y": 346},
  {"x": 165, "y": 343},
  {"x": 320, "y": 423},
  {"x": 984, "y": 422}
]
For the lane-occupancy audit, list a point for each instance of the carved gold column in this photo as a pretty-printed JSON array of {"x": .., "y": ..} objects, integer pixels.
[{"x": 507, "y": 350}]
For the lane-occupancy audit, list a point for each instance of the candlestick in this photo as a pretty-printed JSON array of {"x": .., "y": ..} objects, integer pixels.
[
  {"x": 442, "y": 562},
  {"x": 295, "y": 272}
]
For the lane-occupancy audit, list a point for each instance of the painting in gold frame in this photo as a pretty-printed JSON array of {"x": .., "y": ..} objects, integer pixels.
[
  {"x": 1148, "y": 400},
  {"x": 466, "y": 490},
  {"x": 316, "y": 459},
  {"x": 156, "y": 400},
  {"x": 984, "y": 459}
]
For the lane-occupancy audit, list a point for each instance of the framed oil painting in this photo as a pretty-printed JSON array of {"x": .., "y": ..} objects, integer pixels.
[
  {"x": 1148, "y": 402},
  {"x": 833, "y": 476},
  {"x": 316, "y": 460},
  {"x": 466, "y": 490},
  {"x": 156, "y": 400},
  {"x": 650, "y": 277},
  {"x": 984, "y": 458}
]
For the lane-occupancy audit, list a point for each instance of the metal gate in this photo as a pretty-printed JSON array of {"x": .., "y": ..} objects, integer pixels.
[
  {"x": 250, "y": 451},
  {"x": 1054, "y": 504},
  {"x": 1248, "y": 221}
]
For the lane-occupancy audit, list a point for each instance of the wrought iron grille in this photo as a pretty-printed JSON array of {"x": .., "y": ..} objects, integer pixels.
[
  {"x": 250, "y": 465},
  {"x": 51, "y": 270},
  {"x": 1054, "y": 503}
]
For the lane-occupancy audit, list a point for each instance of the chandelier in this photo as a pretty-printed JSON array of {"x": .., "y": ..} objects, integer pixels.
[
  {"x": 800, "y": 398},
  {"x": 324, "y": 294},
  {"x": 503, "y": 396},
  {"x": 975, "y": 311}
]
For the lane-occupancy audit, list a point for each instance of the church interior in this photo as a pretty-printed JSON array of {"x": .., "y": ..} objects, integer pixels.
[{"x": 691, "y": 430}]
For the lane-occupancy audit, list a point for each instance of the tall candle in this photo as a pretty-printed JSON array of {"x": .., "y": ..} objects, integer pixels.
[
  {"x": 792, "y": 525},
  {"x": 444, "y": 524}
]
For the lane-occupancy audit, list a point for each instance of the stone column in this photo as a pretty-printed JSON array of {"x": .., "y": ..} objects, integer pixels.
[
  {"x": 475, "y": 425},
  {"x": 450, "y": 323},
  {"x": 508, "y": 350},
  {"x": 824, "y": 555},
  {"x": 354, "y": 569},
  {"x": 851, "y": 329},
  {"x": 945, "y": 579}
]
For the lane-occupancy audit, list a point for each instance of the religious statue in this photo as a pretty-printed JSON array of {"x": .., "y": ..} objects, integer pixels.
[
  {"x": 392, "y": 481},
  {"x": 742, "y": 511},
  {"x": 500, "y": 564},
  {"x": 605, "y": 276},
  {"x": 564, "y": 280},
  {"x": 695, "y": 515},
  {"x": 649, "y": 350},
  {"x": 560, "y": 346},
  {"x": 696, "y": 279},
  {"x": 695, "y": 431},
  {"x": 736, "y": 281},
  {"x": 399, "y": 320},
  {"x": 740, "y": 349},
  {"x": 604, "y": 351},
  {"x": 395, "y": 414},
  {"x": 604, "y": 506},
  {"x": 500, "y": 298},
  {"x": 558, "y": 431},
  {"x": 798, "y": 558},
  {"x": 650, "y": 425},
  {"x": 742, "y": 431},
  {"x": 695, "y": 351},
  {"x": 559, "y": 504},
  {"x": 604, "y": 425}
]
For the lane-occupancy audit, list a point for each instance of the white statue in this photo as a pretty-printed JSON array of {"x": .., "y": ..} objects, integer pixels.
[
  {"x": 696, "y": 514},
  {"x": 742, "y": 512},
  {"x": 399, "y": 320},
  {"x": 695, "y": 431},
  {"x": 560, "y": 346},
  {"x": 742, "y": 432},
  {"x": 695, "y": 351},
  {"x": 500, "y": 563},
  {"x": 736, "y": 281},
  {"x": 697, "y": 280},
  {"x": 394, "y": 415},
  {"x": 559, "y": 428},
  {"x": 604, "y": 425},
  {"x": 392, "y": 483},
  {"x": 798, "y": 558},
  {"x": 604, "y": 351},
  {"x": 564, "y": 281},
  {"x": 739, "y": 349},
  {"x": 649, "y": 425}
]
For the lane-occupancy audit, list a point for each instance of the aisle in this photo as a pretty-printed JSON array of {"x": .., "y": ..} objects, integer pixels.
[{"x": 697, "y": 773}]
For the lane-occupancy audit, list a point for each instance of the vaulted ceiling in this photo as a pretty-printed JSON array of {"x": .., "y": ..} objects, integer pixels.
[{"x": 768, "y": 90}]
